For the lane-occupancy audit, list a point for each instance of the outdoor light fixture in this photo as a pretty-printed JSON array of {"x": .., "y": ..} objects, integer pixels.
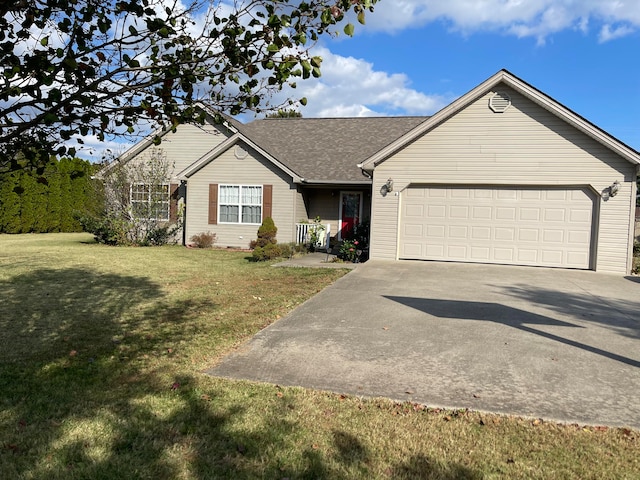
[
  {"x": 614, "y": 188},
  {"x": 386, "y": 188}
]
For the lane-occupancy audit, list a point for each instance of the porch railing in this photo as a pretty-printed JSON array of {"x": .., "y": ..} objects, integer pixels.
[{"x": 304, "y": 230}]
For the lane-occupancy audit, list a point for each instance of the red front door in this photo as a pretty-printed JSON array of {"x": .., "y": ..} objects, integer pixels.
[{"x": 350, "y": 208}]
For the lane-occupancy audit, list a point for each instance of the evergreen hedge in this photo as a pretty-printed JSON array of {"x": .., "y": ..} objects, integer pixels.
[{"x": 48, "y": 202}]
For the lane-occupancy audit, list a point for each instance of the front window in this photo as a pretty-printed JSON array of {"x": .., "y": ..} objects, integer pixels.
[
  {"x": 241, "y": 204},
  {"x": 150, "y": 202}
]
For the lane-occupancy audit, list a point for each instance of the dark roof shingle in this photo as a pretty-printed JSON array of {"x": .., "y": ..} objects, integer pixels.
[{"x": 327, "y": 149}]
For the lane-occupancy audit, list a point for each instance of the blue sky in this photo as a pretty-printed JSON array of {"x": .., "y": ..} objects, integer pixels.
[{"x": 415, "y": 56}]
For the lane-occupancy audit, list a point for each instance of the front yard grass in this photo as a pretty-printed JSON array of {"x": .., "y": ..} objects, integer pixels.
[{"x": 101, "y": 354}]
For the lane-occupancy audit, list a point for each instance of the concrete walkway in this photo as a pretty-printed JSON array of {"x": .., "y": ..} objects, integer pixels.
[
  {"x": 316, "y": 260},
  {"x": 557, "y": 344}
]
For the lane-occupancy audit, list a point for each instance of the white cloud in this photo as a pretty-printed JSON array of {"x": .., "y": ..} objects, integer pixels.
[
  {"x": 611, "y": 33},
  {"x": 352, "y": 87},
  {"x": 522, "y": 18}
]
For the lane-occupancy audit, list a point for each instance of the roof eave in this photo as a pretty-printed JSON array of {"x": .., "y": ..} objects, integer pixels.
[{"x": 308, "y": 181}]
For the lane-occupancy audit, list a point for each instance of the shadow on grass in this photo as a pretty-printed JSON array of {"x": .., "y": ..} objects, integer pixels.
[{"x": 90, "y": 388}]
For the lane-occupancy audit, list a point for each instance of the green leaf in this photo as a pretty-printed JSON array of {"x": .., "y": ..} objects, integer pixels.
[
  {"x": 316, "y": 61},
  {"x": 44, "y": 42},
  {"x": 274, "y": 21},
  {"x": 361, "y": 17},
  {"x": 349, "y": 29},
  {"x": 132, "y": 30},
  {"x": 316, "y": 72},
  {"x": 303, "y": 101},
  {"x": 273, "y": 48}
]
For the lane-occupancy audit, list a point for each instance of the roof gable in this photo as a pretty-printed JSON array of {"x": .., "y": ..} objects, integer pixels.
[
  {"x": 226, "y": 145},
  {"x": 229, "y": 124},
  {"x": 530, "y": 92}
]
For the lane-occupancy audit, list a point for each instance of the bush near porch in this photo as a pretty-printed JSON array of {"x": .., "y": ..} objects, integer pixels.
[{"x": 100, "y": 377}]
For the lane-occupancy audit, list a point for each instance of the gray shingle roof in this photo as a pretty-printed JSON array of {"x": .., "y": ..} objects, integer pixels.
[{"x": 327, "y": 149}]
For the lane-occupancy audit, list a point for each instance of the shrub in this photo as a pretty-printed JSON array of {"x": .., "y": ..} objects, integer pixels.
[
  {"x": 106, "y": 229},
  {"x": 361, "y": 234},
  {"x": 316, "y": 233},
  {"x": 160, "y": 235},
  {"x": 270, "y": 252},
  {"x": 204, "y": 240},
  {"x": 350, "y": 251},
  {"x": 266, "y": 234}
]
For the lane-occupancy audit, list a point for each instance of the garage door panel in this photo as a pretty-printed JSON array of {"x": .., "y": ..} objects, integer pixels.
[
  {"x": 480, "y": 254},
  {"x": 480, "y": 233},
  {"x": 482, "y": 213},
  {"x": 524, "y": 226},
  {"x": 528, "y": 235},
  {"x": 458, "y": 231}
]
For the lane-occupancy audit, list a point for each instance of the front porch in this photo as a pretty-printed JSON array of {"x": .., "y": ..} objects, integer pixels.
[{"x": 339, "y": 208}]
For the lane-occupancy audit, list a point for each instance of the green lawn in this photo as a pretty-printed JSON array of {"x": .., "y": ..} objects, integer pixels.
[{"x": 101, "y": 357}]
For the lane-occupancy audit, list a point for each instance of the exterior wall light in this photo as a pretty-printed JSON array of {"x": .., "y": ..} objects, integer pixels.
[
  {"x": 386, "y": 188},
  {"x": 614, "y": 188}
]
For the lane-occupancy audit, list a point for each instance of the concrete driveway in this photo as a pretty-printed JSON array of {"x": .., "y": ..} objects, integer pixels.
[{"x": 557, "y": 344}]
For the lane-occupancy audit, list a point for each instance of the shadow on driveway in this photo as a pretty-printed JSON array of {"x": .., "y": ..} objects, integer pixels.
[{"x": 505, "y": 315}]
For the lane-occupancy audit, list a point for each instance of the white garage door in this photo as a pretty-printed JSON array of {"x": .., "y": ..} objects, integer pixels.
[{"x": 517, "y": 226}]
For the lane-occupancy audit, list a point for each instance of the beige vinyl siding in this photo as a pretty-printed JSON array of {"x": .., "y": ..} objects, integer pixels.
[
  {"x": 188, "y": 144},
  {"x": 526, "y": 145},
  {"x": 227, "y": 169},
  {"x": 301, "y": 208}
]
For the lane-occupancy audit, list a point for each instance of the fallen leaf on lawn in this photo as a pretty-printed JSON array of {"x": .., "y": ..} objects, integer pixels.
[
  {"x": 175, "y": 386},
  {"x": 385, "y": 328},
  {"x": 475, "y": 395},
  {"x": 73, "y": 353},
  {"x": 447, "y": 418},
  {"x": 409, "y": 391},
  {"x": 536, "y": 422},
  {"x": 315, "y": 446},
  {"x": 279, "y": 394}
]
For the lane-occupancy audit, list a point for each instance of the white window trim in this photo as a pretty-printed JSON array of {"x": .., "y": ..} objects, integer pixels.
[
  {"x": 148, "y": 201},
  {"x": 239, "y": 204}
]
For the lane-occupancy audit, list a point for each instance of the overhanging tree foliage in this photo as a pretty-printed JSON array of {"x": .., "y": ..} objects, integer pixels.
[{"x": 77, "y": 68}]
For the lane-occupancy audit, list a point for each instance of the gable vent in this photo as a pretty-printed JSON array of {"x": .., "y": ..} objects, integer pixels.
[{"x": 499, "y": 102}]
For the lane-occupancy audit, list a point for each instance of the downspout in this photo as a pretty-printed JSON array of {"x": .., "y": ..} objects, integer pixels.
[
  {"x": 183, "y": 184},
  {"x": 634, "y": 203}
]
